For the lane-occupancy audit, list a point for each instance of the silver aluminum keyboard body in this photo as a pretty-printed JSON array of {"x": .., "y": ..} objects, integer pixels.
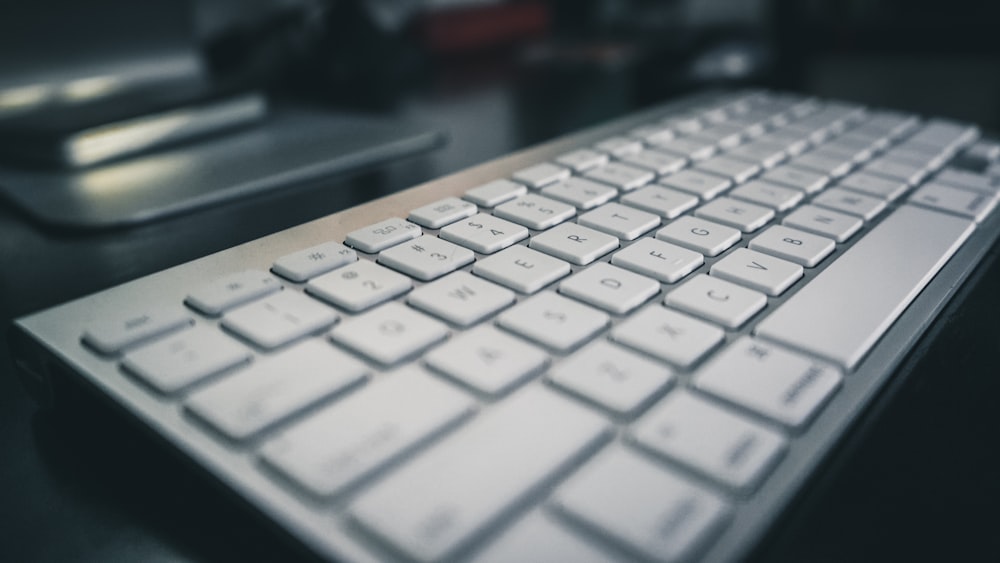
[{"x": 490, "y": 460}]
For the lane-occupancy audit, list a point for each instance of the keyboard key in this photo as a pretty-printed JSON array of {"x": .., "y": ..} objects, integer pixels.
[
  {"x": 874, "y": 185},
  {"x": 796, "y": 246},
  {"x": 612, "y": 494},
  {"x": 671, "y": 336},
  {"x": 496, "y": 192},
  {"x": 350, "y": 439},
  {"x": 688, "y": 147},
  {"x": 657, "y": 259},
  {"x": 849, "y": 202},
  {"x": 822, "y": 163},
  {"x": 621, "y": 221},
  {"x": 580, "y": 192},
  {"x": 717, "y": 300},
  {"x": 441, "y": 213},
  {"x": 461, "y": 298},
  {"x": 723, "y": 135},
  {"x": 967, "y": 203},
  {"x": 652, "y": 133},
  {"x": 438, "y": 504},
  {"x": 390, "y": 333},
  {"x": 574, "y": 243},
  {"x": 762, "y": 153},
  {"x": 619, "y": 146},
  {"x": 244, "y": 404},
  {"x": 665, "y": 202},
  {"x": 610, "y": 288},
  {"x": 483, "y": 233},
  {"x": 622, "y": 176},
  {"x": 538, "y": 538},
  {"x": 305, "y": 264},
  {"x": 809, "y": 182},
  {"x": 767, "y": 194},
  {"x": 359, "y": 286},
  {"x": 895, "y": 169},
  {"x": 968, "y": 180},
  {"x": 582, "y": 160},
  {"x": 426, "y": 258},
  {"x": 535, "y": 212},
  {"x": 744, "y": 216},
  {"x": 554, "y": 321},
  {"x": 823, "y": 222},
  {"x": 781, "y": 385},
  {"x": 723, "y": 445},
  {"x": 704, "y": 185},
  {"x": 112, "y": 335},
  {"x": 220, "y": 295},
  {"x": 488, "y": 360},
  {"x": 699, "y": 235},
  {"x": 541, "y": 175},
  {"x": 279, "y": 319},
  {"x": 610, "y": 376},
  {"x": 187, "y": 357},
  {"x": 757, "y": 271},
  {"x": 382, "y": 235},
  {"x": 659, "y": 162},
  {"x": 737, "y": 171},
  {"x": 521, "y": 269}
]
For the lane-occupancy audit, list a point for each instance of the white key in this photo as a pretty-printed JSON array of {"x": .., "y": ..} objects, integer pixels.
[
  {"x": 823, "y": 222},
  {"x": 671, "y": 336},
  {"x": 461, "y": 298},
  {"x": 735, "y": 170},
  {"x": 378, "y": 237},
  {"x": 438, "y": 503},
  {"x": 305, "y": 264},
  {"x": 652, "y": 133},
  {"x": 767, "y": 155},
  {"x": 852, "y": 203},
  {"x": 484, "y": 233},
  {"x": 554, "y": 321},
  {"x": 895, "y": 169},
  {"x": 725, "y": 446},
  {"x": 699, "y": 235},
  {"x": 725, "y": 135},
  {"x": 969, "y": 180},
  {"x": 426, "y": 258},
  {"x": 665, "y": 202},
  {"x": 717, "y": 300},
  {"x": 757, "y": 271},
  {"x": 823, "y": 163},
  {"x": 781, "y": 385},
  {"x": 218, "y": 296},
  {"x": 791, "y": 142},
  {"x": 659, "y": 162},
  {"x": 488, "y": 360},
  {"x": 802, "y": 248},
  {"x": 641, "y": 505},
  {"x": 874, "y": 185},
  {"x": 275, "y": 388},
  {"x": 967, "y": 203},
  {"x": 521, "y": 269},
  {"x": 359, "y": 286},
  {"x": 279, "y": 319},
  {"x": 574, "y": 243},
  {"x": 658, "y": 259},
  {"x": 582, "y": 160},
  {"x": 390, "y": 333},
  {"x": 117, "y": 332},
  {"x": 621, "y": 221},
  {"x": 580, "y": 192},
  {"x": 741, "y": 215},
  {"x": 496, "y": 192},
  {"x": 535, "y": 212},
  {"x": 767, "y": 194},
  {"x": 688, "y": 147},
  {"x": 621, "y": 381},
  {"x": 541, "y": 174},
  {"x": 443, "y": 212},
  {"x": 702, "y": 184},
  {"x": 610, "y": 288},
  {"x": 625, "y": 177},
  {"x": 619, "y": 146},
  {"x": 343, "y": 443},
  {"x": 537, "y": 538},
  {"x": 808, "y": 182},
  {"x": 189, "y": 356}
]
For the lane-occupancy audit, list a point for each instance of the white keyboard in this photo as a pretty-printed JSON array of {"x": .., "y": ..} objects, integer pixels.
[{"x": 633, "y": 343}]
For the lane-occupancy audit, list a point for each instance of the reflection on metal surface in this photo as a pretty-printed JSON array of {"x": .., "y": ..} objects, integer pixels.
[
  {"x": 23, "y": 98},
  {"x": 122, "y": 179},
  {"x": 85, "y": 89}
]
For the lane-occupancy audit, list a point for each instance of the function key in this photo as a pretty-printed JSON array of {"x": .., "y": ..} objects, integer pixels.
[
  {"x": 382, "y": 235},
  {"x": 541, "y": 174},
  {"x": 441, "y": 213},
  {"x": 495, "y": 192}
]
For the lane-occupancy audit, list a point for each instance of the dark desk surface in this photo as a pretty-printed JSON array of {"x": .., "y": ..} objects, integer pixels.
[{"x": 77, "y": 484}]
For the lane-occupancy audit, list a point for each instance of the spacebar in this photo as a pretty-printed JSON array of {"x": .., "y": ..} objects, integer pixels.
[{"x": 842, "y": 313}]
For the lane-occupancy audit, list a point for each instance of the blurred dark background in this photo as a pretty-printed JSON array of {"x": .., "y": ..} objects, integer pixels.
[{"x": 76, "y": 483}]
